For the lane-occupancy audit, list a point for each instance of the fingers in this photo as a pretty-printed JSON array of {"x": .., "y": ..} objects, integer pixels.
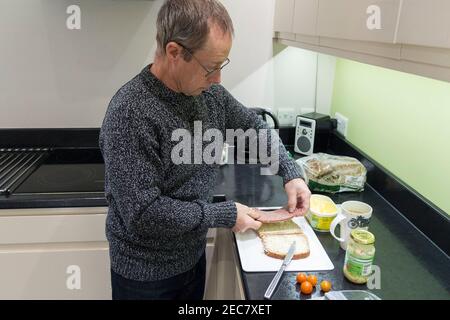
[
  {"x": 298, "y": 197},
  {"x": 255, "y": 214},
  {"x": 303, "y": 203},
  {"x": 246, "y": 220},
  {"x": 255, "y": 225},
  {"x": 292, "y": 199}
]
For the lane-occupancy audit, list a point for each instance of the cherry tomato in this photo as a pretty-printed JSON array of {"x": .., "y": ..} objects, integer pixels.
[
  {"x": 325, "y": 286},
  {"x": 312, "y": 279},
  {"x": 301, "y": 277},
  {"x": 306, "y": 287}
]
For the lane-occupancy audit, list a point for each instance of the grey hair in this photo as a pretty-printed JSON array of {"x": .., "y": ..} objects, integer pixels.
[{"x": 186, "y": 22}]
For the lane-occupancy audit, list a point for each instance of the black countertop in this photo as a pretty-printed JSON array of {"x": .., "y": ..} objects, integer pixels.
[{"x": 411, "y": 266}]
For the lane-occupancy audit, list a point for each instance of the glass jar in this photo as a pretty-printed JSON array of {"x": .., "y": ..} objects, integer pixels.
[{"x": 359, "y": 256}]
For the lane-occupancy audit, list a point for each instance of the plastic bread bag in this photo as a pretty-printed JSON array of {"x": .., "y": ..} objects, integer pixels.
[{"x": 333, "y": 174}]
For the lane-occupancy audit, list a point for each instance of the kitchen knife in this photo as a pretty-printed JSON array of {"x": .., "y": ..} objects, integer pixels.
[{"x": 276, "y": 279}]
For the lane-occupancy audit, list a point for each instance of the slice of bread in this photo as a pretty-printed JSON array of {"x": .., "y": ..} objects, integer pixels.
[
  {"x": 284, "y": 227},
  {"x": 277, "y": 245},
  {"x": 278, "y": 237}
]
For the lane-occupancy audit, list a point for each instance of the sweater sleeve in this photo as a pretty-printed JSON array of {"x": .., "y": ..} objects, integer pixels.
[
  {"x": 240, "y": 117},
  {"x": 133, "y": 170}
]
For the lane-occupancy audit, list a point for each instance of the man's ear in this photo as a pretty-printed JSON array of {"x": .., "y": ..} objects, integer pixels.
[{"x": 173, "y": 51}]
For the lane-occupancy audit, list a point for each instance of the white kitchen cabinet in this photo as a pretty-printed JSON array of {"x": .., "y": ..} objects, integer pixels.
[
  {"x": 58, "y": 253},
  {"x": 55, "y": 271},
  {"x": 426, "y": 70},
  {"x": 425, "y": 23},
  {"x": 284, "y": 15},
  {"x": 426, "y": 55},
  {"x": 62, "y": 253},
  {"x": 305, "y": 17},
  {"x": 377, "y": 49},
  {"x": 412, "y": 36},
  {"x": 365, "y": 20}
]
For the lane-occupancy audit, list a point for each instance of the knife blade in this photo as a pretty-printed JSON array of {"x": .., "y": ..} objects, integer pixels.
[{"x": 272, "y": 286}]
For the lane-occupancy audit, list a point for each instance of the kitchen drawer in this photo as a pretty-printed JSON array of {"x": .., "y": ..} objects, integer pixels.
[
  {"x": 51, "y": 225},
  {"x": 32, "y": 226},
  {"x": 347, "y": 19}
]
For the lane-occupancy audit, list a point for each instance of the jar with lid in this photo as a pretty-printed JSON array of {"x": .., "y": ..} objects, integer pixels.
[
  {"x": 322, "y": 211},
  {"x": 359, "y": 256}
]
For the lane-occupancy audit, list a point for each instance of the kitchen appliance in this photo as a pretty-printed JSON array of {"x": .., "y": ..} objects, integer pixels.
[
  {"x": 17, "y": 164},
  {"x": 253, "y": 258},
  {"x": 66, "y": 171},
  {"x": 273, "y": 284},
  {"x": 312, "y": 133}
]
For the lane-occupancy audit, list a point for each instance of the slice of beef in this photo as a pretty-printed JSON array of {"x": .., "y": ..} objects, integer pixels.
[{"x": 272, "y": 216}]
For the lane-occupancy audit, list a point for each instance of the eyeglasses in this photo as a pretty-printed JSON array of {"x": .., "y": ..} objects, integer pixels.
[{"x": 209, "y": 73}]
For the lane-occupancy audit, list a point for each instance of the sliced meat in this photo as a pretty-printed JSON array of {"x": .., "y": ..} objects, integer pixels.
[{"x": 272, "y": 216}]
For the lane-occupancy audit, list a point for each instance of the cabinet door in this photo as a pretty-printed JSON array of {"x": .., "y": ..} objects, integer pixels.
[
  {"x": 305, "y": 17},
  {"x": 366, "y": 20},
  {"x": 425, "y": 23},
  {"x": 284, "y": 15},
  {"x": 55, "y": 271},
  {"x": 54, "y": 253}
]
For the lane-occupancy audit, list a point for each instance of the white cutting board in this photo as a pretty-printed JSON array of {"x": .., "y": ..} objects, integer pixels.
[{"x": 253, "y": 258}]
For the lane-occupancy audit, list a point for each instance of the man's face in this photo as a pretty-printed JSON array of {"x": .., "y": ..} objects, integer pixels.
[{"x": 191, "y": 75}]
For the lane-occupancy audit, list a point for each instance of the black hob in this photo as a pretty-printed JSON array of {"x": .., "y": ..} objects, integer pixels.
[{"x": 67, "y": 171}]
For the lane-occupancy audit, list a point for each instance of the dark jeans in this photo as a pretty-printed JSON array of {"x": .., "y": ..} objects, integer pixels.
[{"x": 189, "y": 285}]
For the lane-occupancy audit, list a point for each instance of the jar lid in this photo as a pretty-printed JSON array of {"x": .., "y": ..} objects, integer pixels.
[{"x": 362, "y": 236}]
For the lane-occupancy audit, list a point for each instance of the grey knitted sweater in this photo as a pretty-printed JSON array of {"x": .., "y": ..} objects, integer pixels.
[{"x": 159, "y": 212}]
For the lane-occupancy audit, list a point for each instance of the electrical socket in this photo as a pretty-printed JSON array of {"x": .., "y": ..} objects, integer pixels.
[
  {"x": 287, "y": 116},
  {"x": 342, "y": 124}
]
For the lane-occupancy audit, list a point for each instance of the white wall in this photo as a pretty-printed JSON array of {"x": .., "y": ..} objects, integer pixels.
[
  {"x": 325, "y": 83},
  {"x": 54, "y": 77}
]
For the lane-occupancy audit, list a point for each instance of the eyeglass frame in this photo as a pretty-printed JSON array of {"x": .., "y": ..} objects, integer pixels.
[{"x": 208, "y": 72}]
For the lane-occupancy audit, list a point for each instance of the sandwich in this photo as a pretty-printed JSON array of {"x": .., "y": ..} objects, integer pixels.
[{"x": 278, "y": 237}]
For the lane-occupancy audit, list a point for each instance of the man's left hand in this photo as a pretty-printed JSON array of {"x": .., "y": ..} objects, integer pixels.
[{"x": 298, "y": 197}]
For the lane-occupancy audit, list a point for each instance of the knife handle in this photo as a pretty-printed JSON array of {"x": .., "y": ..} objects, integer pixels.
[{"x": 272, "y": 286}]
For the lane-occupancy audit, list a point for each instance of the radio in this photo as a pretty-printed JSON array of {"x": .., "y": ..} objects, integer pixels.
[{"x": 312, "y": 133}]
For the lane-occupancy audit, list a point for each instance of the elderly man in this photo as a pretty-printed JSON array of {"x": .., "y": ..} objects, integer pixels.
[{"x": 160, "y": 212}]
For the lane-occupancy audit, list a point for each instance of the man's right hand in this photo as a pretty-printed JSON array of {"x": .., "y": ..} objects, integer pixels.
[{"x": 246, "y": 219}]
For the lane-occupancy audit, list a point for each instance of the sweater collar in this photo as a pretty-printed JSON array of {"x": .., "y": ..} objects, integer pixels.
[{"x": 163, "y": 92}]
